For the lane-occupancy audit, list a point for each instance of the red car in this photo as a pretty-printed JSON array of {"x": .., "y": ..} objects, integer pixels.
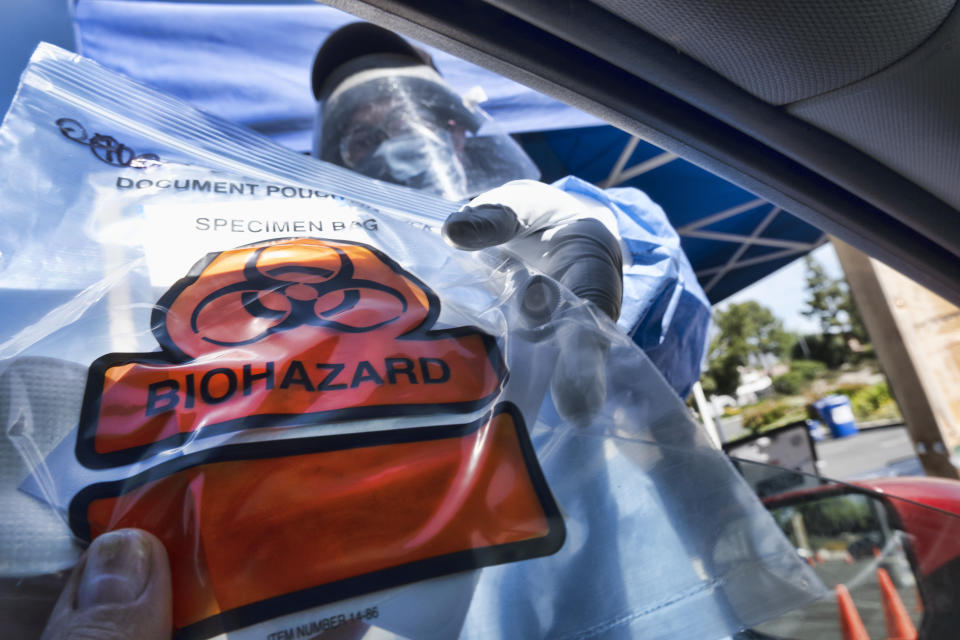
[{"x": 908, "y": 526}]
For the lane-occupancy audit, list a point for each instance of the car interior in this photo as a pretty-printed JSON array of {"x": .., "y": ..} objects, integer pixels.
[{"x": 844, "y": 115}]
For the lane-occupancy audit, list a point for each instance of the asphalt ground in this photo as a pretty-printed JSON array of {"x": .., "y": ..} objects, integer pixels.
[
  {"x": 820, "y": 620},
  {"x": 883, "y": 451},
  {"x": 871, "y": 453}
]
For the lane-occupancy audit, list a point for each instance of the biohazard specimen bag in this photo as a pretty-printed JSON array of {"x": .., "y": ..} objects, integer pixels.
[{"x": 334, "y": 421}]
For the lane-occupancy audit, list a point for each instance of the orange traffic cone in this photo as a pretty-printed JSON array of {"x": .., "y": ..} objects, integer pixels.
[
  {"x": 850, "y": 622},
  {"x": 899, "y": 624}
]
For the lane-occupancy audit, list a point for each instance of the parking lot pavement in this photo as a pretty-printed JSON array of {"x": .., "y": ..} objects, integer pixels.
[
  {"x": 819, "y": 620},
  {"x": 871, "y": 453}
]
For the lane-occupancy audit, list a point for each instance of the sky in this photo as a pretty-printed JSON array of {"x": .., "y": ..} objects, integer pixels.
[{"x": 783, "y": 291}]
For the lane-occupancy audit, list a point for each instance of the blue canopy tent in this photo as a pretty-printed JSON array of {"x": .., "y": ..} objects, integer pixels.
[
  {"x": 249, "y": 62},
  {"x": 731, "y": 237}
]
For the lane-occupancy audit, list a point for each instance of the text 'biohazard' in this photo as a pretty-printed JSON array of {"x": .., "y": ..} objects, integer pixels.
[{"x": 285, "y": 333}]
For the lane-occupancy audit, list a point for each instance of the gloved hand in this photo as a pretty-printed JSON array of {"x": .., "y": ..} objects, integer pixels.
[
  {"x": 574, "y": 240},
  {"x": 571, "y": 238}
]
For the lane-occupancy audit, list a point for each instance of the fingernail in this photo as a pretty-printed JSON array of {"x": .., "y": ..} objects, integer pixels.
[{"x": 116, "y": 569}]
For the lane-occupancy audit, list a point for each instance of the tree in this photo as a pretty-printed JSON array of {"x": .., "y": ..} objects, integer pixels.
[
  {"x": 830, "y": 302},
  {"x": 746, "y": 333},
  {"x": 829, "y": 348}
]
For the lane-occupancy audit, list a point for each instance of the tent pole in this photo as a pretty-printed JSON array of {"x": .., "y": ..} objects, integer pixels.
[{"x": 704, "y": 408}]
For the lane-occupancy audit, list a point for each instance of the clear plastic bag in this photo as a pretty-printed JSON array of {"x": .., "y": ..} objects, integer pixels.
[{"x": 333, "y": 420}]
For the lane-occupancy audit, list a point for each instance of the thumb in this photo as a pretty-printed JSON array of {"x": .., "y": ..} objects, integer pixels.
[{"x": 119, "y": 590}]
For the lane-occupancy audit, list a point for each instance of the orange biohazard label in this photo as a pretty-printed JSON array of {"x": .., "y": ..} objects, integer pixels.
[
  {"x": 299, "y": 526},
  {"x": 284, "y": 334},
  {"x": 308, "y": 333}
]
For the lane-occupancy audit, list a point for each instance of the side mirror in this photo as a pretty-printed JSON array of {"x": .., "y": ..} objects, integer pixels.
[{"x": 843, "y": 532}]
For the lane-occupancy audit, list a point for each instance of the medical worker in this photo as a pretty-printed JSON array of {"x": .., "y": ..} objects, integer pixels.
[
  {"x": 388, "y": 114},
  {"x": 385, "y": 111}
]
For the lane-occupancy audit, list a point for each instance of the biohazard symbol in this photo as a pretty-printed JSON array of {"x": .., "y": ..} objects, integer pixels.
[
  {"x": 291, "y": 296},
  {"x": 280, "y": 334}
]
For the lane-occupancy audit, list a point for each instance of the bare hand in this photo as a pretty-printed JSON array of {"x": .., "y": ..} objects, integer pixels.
[{"x": 119, "y": 590}]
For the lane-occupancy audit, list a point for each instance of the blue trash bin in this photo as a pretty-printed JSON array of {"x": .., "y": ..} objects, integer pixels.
[{"x": 837, "y": 415}]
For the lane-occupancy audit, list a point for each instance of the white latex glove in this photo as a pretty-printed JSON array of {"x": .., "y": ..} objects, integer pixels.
[
  {"x": 574, "y": 240},
  {"x": 571, "y": 238}
]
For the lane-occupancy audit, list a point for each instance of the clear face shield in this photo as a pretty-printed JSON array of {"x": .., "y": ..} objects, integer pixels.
[{"x": 407, "y": 127}]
